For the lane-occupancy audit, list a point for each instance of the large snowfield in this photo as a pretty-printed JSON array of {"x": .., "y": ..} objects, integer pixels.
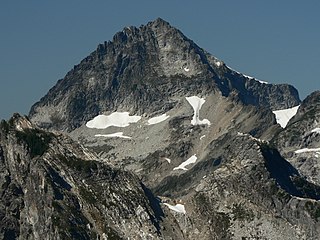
[
  {"x": 283, "y": 116},
  {"x": 117, "y": 119}
]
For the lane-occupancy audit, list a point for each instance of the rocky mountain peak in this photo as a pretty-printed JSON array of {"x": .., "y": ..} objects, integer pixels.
[
  {"x": 143, "y": 71},
  {"x": 159, "y": 23},
  {"x": 20, "y": 123}
]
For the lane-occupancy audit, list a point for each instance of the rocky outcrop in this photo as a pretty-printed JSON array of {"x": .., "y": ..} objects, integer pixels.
[
  {"x": 52, "y": 188},
  {"x": 244, "y": 189},
  {"x": 299, "y": 142},
  {"x": 143, "y": 70}
]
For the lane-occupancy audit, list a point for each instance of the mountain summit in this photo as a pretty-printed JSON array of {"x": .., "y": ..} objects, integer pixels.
[{"x": 140, "y": 71}]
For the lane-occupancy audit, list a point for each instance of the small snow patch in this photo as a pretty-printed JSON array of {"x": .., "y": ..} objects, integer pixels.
[
  {"x": 252, "y": 78},
  {"x": 168, "y": 160},
  {"x": 203, "y": 136},
  {"x": 158, "y": 119},
  {"x": 183, "y": 165},
  {"x": 283, "y": 116},
  {"x": 218, "y": 63},
  {"x": 263, "y": 82},
  {"x": 186, "y": 69},
  {"x": 316, "y": 130},
  {"x": 249, "y": 77},
  {"x": 117, "y": 134},
  {"x": 117, "y": 119},
  {"x": 196, "y": 104},
  {"x": 304, "y": 150},
  {"x": 177, "y": 208},
  {"x": 253, "y": 138}
]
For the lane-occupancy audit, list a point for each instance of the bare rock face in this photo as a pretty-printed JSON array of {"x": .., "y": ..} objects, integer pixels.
[
  {"x": 52, "y": 188},
  {"x": 244, "y": 189},
  {"x": 143, "y": 70}
]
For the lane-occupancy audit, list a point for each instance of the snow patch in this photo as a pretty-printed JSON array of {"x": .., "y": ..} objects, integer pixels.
[
  {"x": 304, "y": 150},
  {"x": 253, "y": 138},
  {"x": 158, "y": 119},
  {"x": 117, "y": 119},
  {"x": 316, "y": 130},
  {"x": 263, "y": 82},
  {"x": 196, "y": 104},
  {"x": 177, "y": 208},
  {"x": 252, "y": 78},
  {"x": 168, "y": 160},
  {"x": 203, "y": 136},
  {"x": 186, "y": 69},
  {"x": 283, "y": 116},
  {"x": 249, "y": 77},
  {"x": 218, "y": 64},
  {"x": 117, "y": 134},
  {"x": 183, "y": 165}
]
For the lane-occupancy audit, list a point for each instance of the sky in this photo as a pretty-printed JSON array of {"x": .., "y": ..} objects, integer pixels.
[{"x": 40, "y": 41}]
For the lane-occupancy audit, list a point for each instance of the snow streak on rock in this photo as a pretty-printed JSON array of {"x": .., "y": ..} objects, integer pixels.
[
  {"x": 117, "y": 134},
  {"x": 304, "y": 150},
  {"x": 158, "y": 119},
  {"x": 316, "y": 130},
  {"x": 183, "y": 165}
]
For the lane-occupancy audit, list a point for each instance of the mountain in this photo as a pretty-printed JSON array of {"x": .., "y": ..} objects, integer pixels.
[
  {"x": 152, "y": 137},
  {"x": 142, "y": 70}
]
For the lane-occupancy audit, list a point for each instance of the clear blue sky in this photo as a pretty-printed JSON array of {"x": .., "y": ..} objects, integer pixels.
[{"x": 277, "y": 41}]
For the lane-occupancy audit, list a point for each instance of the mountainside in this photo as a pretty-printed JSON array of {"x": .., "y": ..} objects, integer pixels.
[
  {"x": 52, "y": 188},
  {"x": 161, "y": 140},
  {"x": 143, "y": 70},
  {"x": 299, "y": 142}
]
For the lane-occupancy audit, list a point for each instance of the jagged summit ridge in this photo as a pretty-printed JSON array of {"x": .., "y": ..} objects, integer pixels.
[
  {"x": 166, "y": 44},
  {"x": 143, "y": 70}
]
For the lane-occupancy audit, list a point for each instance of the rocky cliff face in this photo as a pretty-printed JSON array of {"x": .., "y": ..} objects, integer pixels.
[
  {"x": 300, "y": 140},
  {"x": 143, "y": 70},
  {"x": 52, "y": 188}
]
